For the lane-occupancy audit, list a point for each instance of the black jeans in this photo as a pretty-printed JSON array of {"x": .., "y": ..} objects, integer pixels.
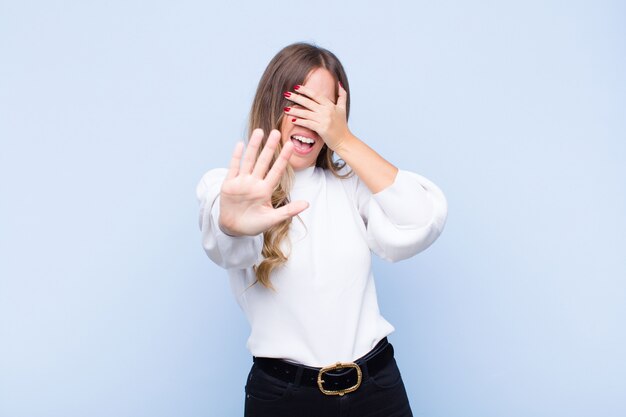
[{"x": 380, "y": 395}]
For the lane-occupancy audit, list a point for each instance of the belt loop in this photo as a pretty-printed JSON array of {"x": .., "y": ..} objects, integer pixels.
[{"x": 298, "y": 376}]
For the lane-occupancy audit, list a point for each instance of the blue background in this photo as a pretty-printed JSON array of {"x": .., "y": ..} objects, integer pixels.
[{"x": 110, "y": 112}]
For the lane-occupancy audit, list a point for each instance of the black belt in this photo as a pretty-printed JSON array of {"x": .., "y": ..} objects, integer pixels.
[{"x": 337, "y": 379}]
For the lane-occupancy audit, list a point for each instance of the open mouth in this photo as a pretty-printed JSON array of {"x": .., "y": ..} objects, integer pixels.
[{"x": 302, "y": 144}]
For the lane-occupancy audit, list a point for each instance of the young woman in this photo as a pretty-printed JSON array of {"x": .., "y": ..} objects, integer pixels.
[{"x": 294, "y": 220}]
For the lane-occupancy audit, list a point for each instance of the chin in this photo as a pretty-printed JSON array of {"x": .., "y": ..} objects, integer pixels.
[{"x": 298, "y": 164}]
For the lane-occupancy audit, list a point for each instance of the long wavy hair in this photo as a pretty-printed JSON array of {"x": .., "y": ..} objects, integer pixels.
[{"x": 291, "y": 65}]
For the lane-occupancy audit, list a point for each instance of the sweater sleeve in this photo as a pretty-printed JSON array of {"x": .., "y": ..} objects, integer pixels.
[
  {"x": 404, "y": 218},
  {"x": 227, "y": 251}
]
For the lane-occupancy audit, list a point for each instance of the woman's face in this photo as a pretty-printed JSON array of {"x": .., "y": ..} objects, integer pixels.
[{"x": 321, "y": 82}]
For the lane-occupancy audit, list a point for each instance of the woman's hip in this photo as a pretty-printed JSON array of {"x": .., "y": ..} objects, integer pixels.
[{"x": 370, "y": 386}]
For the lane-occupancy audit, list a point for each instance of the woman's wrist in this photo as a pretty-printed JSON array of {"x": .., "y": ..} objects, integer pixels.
[
  {"x": 226, "y": 230},
  {"x": 345, "y": 143}
]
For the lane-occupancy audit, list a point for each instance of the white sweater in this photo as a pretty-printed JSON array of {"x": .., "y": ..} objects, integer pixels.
[{"x": 324, "y": 308}]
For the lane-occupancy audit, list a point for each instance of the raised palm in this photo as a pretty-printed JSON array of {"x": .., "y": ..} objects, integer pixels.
[{"x": 245, "y": 197}]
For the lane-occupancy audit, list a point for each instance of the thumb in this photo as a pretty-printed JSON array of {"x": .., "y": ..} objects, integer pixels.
[
  {"x": 292, "y": 209},
  {"x": 343, "y": 96}
]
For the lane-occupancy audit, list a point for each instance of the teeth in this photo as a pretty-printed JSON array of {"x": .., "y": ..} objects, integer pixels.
[{"x": 303, "y": 139}]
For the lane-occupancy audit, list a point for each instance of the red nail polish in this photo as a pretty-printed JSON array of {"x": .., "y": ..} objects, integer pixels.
[
  {"x": 287, "y": 94},
  {"x": 295, "y": 87},
  {"x": 341, "y": 85},
  {"x": 293, "y": 120},
  {"x": 287, "y": 108}
]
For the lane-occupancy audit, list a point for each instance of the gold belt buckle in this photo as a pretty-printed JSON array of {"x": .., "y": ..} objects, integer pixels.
[{"x": 339, "y": 365}]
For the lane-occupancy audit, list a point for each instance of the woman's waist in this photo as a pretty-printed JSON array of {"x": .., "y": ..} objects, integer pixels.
[{"x": 316, "y": 350}]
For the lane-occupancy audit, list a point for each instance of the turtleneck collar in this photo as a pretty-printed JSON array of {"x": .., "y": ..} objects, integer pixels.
[{"x": 304, "y": 177}]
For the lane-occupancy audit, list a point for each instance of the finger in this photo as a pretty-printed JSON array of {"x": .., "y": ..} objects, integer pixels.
[
  {"x": 289, "y": 210},
  {"x": 309, "y": 124},
  {"x": 318, "y": 98},
  {"x": 251, "y": 151},
  {"x": 233, "y": 169},
  {"x": 263, "y": 163},
  {"x": 302, "y": 100},
  {"x": 299, "y": 112},
  {"x": 343, "y": 96},
  {"x": 277, "y": 170}
]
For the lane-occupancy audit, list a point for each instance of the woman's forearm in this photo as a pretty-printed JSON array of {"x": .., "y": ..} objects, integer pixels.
[{"x": 375, "y": 171}]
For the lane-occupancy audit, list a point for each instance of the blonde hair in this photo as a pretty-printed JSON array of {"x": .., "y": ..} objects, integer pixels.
[{"x": 290, "y": 66}]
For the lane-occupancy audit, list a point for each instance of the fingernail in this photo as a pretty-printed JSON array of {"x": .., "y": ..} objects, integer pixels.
[
  {"x": 293, "y": 120},
  {"x": 287, "y": 108},
  {"x": 287, "y": 94},
  {"x": 341, "y": 85},
  {"x": 295, "y": 87}
]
